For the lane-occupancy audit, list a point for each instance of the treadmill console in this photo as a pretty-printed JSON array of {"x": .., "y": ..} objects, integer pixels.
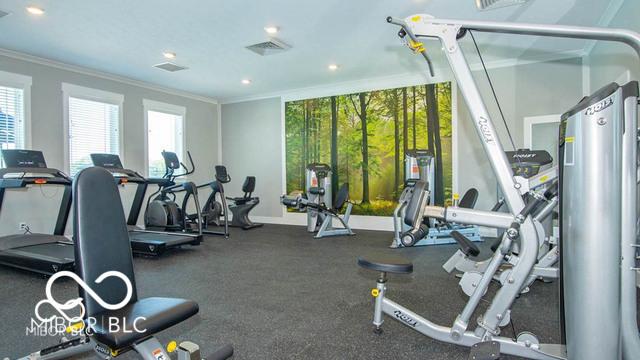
[
  {"x": 171, "y": 160},
  {"x": 23, "y": 159},
  {"x": 107, "y": 161}
]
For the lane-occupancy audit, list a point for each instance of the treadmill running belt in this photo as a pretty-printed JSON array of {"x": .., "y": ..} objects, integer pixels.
[
  {"x": 44, "y": 258},
  {"x": 153, "y": 243}
]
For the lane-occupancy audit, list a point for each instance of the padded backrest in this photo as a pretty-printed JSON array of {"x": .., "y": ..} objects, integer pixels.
[
  {"x": 412, "y": 212},
  {"x": 249, "y": 185},
  {"x": 101, "y": 239},
  {"x": 341, "y": 197},
  {"x": 221, "y": 174},
  {"x": 469, "y": 199}
]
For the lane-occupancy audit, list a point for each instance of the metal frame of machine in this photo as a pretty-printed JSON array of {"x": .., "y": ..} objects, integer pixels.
[{"x": 608, "y": 331}]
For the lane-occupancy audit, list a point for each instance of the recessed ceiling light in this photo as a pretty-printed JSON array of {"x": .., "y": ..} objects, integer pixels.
[
  {"x": 333, "y": 67},
  {"x": 169, "y": 55},
  {"x": 246, "y": 81},
  {"x": 35, "y": 10},
  {"x": 271, "y": 30}
]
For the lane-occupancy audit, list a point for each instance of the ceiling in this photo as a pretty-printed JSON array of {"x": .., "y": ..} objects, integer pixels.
[{"x": 126, "y": 38}]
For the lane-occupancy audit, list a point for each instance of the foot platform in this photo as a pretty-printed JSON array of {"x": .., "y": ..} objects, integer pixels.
[
  {"x": 488, "y": 350},
  {"x": 389, "y": 263}
]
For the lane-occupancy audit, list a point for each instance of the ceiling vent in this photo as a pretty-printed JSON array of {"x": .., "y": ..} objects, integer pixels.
[
  {"x": 3, "y": 13},
  {"x": 273, "y": 46},
  {"x": 494, "y": 4},
  {"x": 171, "y": 67}
]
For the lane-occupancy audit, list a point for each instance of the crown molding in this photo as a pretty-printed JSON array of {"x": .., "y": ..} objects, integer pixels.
[
  {"x": 393, "y": 81},
  {"x": 103, "y": 75}
]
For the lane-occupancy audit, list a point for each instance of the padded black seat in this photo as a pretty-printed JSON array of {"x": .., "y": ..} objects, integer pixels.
[
  {"x": 386, "y": 263},
  {"x": 248, "y": 187},
  {"x": 159, "y": 313},
  {"x": 466, "y": 246},
  {"x": 101, "y": 242}
]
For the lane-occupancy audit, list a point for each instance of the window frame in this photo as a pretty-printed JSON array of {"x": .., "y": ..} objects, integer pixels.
[
  {"x": 23, "y": 82},
  {"x": 158, "y": 106},
  {"x": 86, "y": 93}
]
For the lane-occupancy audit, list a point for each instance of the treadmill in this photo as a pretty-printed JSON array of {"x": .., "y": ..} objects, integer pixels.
[
  {"x": 143, "y": 242},
  {"x": 40, "y": 253}
]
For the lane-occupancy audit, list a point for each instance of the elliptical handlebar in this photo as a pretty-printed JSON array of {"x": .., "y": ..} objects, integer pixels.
[{"x": 186, "y": 170}]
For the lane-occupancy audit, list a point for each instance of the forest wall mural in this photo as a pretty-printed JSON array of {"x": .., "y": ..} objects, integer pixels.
[{"x": 364, "y": 136}]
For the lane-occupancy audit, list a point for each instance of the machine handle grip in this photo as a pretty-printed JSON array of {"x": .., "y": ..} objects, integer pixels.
[
  {"x": 289, "y": 202},
  {"x": 404, "y": 31},
  {"x": 551, "y": 191},
  {"x": 530, "y": 207}
]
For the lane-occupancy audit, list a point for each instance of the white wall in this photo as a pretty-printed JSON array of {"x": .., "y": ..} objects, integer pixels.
[
  {"x": 535, "y": 89},
  {"x": 253, "y": 147},
  {"x": 523, "y": 90},
  {"x": 608, "y": 61},
  {"x": 39, "y": 208}
]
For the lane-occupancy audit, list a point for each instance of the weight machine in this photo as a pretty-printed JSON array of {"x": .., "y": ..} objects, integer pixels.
[
  {"x": 598, "y": 214},
  {"x": 419, "y": 164},
  {"x": 319, "y": 204}
]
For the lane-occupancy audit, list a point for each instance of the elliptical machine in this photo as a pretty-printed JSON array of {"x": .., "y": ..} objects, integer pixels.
[
  {"x": 214, "y": 211},
  {"x": 162, "y": 211}
]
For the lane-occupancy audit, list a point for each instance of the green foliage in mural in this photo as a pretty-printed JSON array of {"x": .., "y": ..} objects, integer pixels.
[{"x": 374, "y": 129}]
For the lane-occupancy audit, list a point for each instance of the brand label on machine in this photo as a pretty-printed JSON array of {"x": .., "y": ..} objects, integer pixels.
[
  {"x": 487, "y": 135},
  {"x": 405, "y": 319},
  {"x": 599, "y": 106}
]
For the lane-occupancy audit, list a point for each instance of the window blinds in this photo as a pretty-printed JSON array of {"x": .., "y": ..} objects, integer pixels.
[
  {"x": 93, "y": 128},
  {"x": 11, "y": 118}
]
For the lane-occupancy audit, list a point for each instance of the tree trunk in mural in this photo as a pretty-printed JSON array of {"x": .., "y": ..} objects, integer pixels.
[
  {"x": 362, "y": 114},
  {"x": 405, "y": 128},
  {"x": 334, "y": 145},
  {"x": 305, "y": 144},
  {"x": 430, "y": 130},
  {"x": 433, "y": 117},
  {"x": 413, "y": 115},
  {"x": 396, "y": 142}
]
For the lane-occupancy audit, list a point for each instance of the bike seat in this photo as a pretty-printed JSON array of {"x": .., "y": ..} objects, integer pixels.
[
  {"x": 466, "y": 246},
  {"x": 386, "y": 263}
]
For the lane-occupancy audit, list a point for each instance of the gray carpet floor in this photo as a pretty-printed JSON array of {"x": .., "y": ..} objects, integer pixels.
[{"x": 277, "y": 293}]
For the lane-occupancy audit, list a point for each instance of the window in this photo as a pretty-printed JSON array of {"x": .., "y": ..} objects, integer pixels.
[
  {"x": 165, "y": 129},
  {"x": 14, "y": 110},
  {"x": 93, "y": 120}
]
